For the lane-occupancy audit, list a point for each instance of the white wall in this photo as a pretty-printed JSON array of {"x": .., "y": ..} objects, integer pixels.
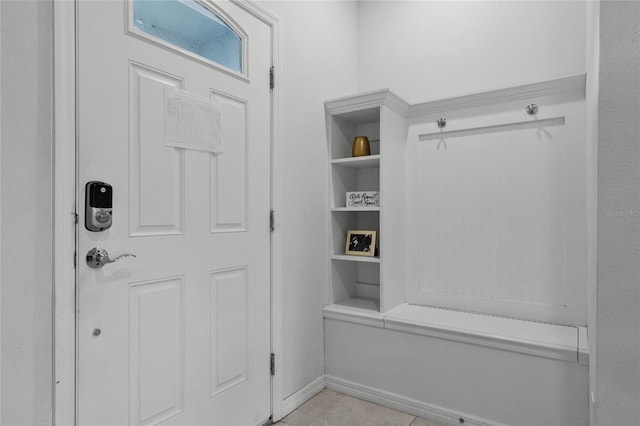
[
  {"x": 26, "y": 200},
  {"x": 318, "y": 63},
  {"x": 618, "y": 300},
  {"x": 426, "y": 50}
]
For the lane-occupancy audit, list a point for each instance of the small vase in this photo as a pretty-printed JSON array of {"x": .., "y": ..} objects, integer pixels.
[{"x": 360, "y": 146}]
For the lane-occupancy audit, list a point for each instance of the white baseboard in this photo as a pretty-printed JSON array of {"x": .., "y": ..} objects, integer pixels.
[
  {"x": 298, "y": 398},
  {"x": 404, "y": 404}
]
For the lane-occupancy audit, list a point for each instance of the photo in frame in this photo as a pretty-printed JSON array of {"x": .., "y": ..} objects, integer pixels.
[{"x": 360, "y": 243}]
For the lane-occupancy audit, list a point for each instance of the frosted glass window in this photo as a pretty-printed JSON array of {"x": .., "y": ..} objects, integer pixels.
[{"x": 191, "y": 26}]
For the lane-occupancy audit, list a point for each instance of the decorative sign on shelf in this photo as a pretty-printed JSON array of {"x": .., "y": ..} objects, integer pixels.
[{"x": 363, "y": 199}]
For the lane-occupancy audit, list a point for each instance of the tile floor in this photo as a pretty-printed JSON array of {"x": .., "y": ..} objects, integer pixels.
[{"x": 329, "y": 408}]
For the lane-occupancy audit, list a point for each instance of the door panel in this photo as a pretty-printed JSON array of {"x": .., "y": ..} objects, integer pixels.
[
  {"x": 156, "y": 350},
  {"x": 181, "y": 333},
  {"x": 152, "y": 166},
  {"x": 228, "y": 328},
  {"x": 228, "y": 177}
]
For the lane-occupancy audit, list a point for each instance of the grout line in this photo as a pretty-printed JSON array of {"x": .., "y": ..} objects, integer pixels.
[
  {"x": 334, "y": 404},
  {"x": 329, "y": 407}
]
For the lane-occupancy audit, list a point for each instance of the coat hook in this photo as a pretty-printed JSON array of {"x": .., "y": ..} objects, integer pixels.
[
  {"x": 532, "y": 109},
  {"x": 441, "y": 122}
]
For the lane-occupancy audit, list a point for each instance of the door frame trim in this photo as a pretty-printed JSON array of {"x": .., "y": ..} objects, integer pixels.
[
  {"x": 64, "y": 209},
  {"x": 64, "y": 237}
]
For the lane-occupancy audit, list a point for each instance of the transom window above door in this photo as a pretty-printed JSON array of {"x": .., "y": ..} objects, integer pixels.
[{"x": 190, "y": 26}]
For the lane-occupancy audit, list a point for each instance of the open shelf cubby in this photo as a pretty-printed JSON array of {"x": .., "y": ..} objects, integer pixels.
[{"x": 358, "y": 281}]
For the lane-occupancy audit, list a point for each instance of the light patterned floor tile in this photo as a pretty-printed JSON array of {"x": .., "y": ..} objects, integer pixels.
[
  {"x": 313, "y": 408},
  {"x": 423, "y": 422},
  {"x": 355, "y": 412}
]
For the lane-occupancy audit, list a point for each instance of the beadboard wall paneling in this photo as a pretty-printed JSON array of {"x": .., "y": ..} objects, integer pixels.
[{"x": 497, "y": 208}]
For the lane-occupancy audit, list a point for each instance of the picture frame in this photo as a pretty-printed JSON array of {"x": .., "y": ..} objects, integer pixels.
[{"x": 360, "y": 243}]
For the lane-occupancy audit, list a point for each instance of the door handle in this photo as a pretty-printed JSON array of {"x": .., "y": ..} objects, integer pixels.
[{"x": 97, "y": 257}]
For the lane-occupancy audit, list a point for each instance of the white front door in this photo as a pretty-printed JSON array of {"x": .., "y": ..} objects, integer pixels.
[{"x": 179, "y": 334}]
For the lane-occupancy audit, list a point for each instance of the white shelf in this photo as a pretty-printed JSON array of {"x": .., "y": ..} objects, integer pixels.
[
  {"x": 355, "y": 209},
  {"x": 364, "y": 162},
  {"x": 352, "y": 258},
  {"x": 357, "y": 310},
  {"x": 361, "y": 303}
]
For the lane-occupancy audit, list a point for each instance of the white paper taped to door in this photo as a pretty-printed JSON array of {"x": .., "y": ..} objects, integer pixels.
[{"x": 192, "y": 122}]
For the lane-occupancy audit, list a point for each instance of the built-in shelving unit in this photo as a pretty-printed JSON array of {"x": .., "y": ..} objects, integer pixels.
[
  {"x": 374, "y": 312},
  {"x": 358, "y": 282}
]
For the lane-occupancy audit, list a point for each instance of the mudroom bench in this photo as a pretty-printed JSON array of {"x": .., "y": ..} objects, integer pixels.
[{"x": 454, "y": 366}]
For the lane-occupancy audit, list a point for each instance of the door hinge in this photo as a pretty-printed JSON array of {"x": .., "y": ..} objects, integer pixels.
[
  {"x": 272, "y": 363},
  {"x": 272, "y": 77},
  {"x": 75, "y": 253},
  {"x": 272, "y": 220}
]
